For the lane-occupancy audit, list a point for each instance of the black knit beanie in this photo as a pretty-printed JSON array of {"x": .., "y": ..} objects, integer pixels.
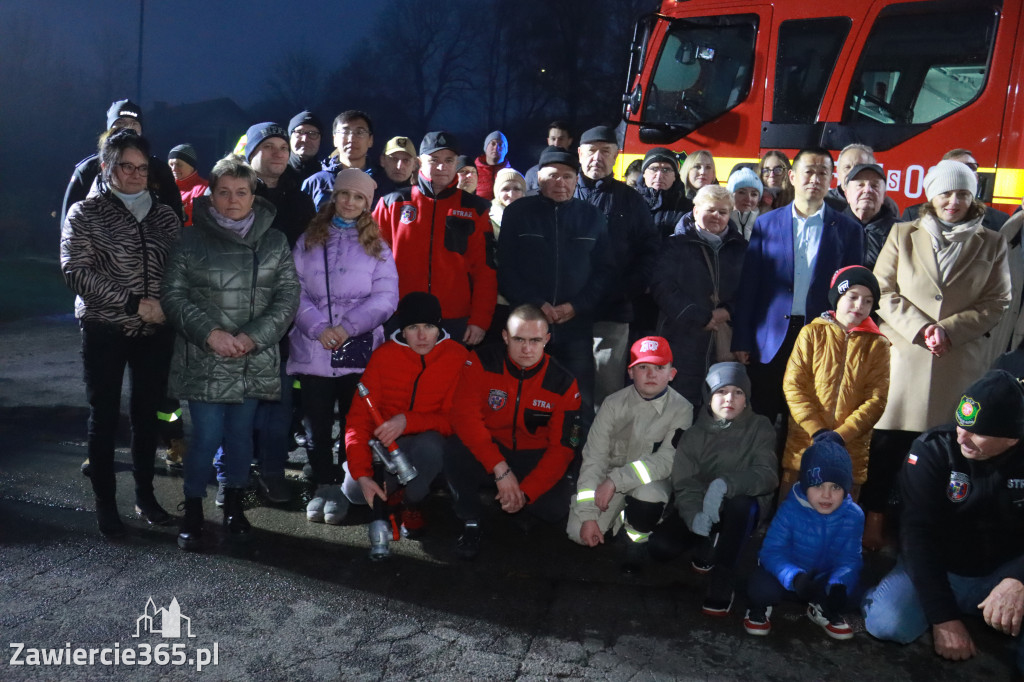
[
  {"x": 993, "y": 406},
  {"x": 844, "y": 278}
]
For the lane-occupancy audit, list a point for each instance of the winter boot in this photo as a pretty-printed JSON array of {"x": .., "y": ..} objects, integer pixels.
[
  {"x": 234, "y": 512},
  {"x": 108, "y": 518},
  {"x": 190, "y": 531}
]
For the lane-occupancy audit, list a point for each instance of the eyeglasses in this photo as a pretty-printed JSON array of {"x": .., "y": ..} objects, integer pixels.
[
  {"x": 311, "y": 134},
  {"x": 350, "y": 132},
  {"x": 655, "y": 170},
  {"x": 130, "y": 168},
  {"x": 777, "y": 170}
]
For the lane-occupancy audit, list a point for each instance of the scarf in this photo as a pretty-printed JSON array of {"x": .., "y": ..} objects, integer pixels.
[
  {"x": 341, "y": 223},
  {"x": 138, "y": 204},
  {"x": 948, "y": 240},
  {"x": 239, "y": 227},
  {"x": 745, "y": 221},
  {"x": 713, "y": 240}
]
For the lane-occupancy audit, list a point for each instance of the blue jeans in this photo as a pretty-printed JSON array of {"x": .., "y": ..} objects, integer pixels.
[
  {"x": 219, "y": 426},
  {"x": 893, "y": 611},
  {"x": 273, "y": 424}
]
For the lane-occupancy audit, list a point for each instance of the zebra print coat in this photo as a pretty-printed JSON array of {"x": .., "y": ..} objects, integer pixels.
[{"x": 111, "y": 260}]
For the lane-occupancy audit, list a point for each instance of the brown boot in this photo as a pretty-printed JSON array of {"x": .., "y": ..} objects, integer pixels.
[{"x": 874, "y": 531}]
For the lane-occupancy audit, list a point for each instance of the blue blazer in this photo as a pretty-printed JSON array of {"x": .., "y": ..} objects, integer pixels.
[{"x": 764, "y": 300}]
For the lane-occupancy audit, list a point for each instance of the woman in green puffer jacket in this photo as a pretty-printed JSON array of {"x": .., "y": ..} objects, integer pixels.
[{"x": 230, "y": 290}]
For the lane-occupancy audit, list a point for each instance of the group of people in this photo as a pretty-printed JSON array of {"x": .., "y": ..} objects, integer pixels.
[{"x": 648, "y": 366}]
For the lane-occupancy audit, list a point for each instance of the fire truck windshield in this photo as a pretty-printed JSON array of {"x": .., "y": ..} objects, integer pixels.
[{"x": 704, "y": 70}]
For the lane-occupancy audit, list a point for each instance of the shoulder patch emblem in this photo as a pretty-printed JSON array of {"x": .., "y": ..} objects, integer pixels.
[
  {"x": 959, "y": 486},
  {"x": 408, "y": 214},
  {"x": 497, "y": 399},
  {"x": 967, "y": 411}
]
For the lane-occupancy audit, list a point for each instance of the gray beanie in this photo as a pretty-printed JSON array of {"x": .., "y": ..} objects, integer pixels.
[
  {"x": 496, "y": 135},
  {"x": 948, "y": 176},
  {"x": 744, "y": 177},
  {"x": 727, "y": 374}
]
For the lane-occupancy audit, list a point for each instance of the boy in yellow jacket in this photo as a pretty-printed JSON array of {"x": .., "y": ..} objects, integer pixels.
[{"x": 837, "y": 378}]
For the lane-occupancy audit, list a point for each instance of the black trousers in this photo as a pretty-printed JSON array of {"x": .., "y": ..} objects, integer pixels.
[
  {"x": 320, "y": 395},
  {"x": 466, "y": 475},
  {"x": 738, "y": 519},
  {"x": 766, "y": 378},
  {"x": 888, "y": 448},
  {"x": 106, "y": 352}
]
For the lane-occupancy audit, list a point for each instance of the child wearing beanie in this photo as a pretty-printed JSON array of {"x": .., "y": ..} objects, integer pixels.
[
  {"x": 837, "y": 378},
  {"x": 811, "y": 552},
  {"x": 724, "y": 477}
]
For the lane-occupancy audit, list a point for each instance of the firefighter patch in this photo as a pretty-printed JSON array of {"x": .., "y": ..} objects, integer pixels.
[
  {"x": 967, "y": 411},
  {"x": 959, "y": 486},
  {"x": 408, "y": 214},
  {"x": 497, "y": 399}
]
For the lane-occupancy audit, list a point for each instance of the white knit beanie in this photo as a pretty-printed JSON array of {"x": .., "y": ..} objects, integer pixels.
[
  {"x": 949, "y": 176},
  {"x": 744, "y": 177}
]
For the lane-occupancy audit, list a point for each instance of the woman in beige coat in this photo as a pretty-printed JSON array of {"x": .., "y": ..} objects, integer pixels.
[{"x": 945, "y": 283}]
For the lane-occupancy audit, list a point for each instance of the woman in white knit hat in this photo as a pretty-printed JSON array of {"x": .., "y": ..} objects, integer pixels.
[{"x": 945, "y": 283}]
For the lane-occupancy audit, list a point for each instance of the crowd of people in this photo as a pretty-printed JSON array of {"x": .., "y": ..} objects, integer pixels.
[{"x": 673, "y": 364}]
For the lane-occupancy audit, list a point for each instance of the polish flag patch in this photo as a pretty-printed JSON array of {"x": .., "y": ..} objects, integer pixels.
[{"x": 911, "y": 459}]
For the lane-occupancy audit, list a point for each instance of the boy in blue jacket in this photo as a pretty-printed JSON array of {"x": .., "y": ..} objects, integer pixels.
[{"x": 812, "y": 550}]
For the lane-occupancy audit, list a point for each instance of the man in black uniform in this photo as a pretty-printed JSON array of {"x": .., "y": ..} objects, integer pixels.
[{"x": 962, "y": 530}]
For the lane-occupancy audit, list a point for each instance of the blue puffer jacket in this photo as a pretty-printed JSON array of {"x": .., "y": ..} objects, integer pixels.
[{"x": 801, "y": 540}]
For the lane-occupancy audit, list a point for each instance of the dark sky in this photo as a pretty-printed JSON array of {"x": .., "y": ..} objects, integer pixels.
[{"x": 195, "y": 49}]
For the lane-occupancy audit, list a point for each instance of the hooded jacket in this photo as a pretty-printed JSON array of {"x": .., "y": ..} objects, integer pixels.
[
  {"x": 741, "y": 452},
  {"x": 401, "y": 381},
  {"x": 839, "y": 381},
  {"x": 440, "y": 246},
  {"x": 216, "y": 279},
  {"x": 363, "y": 295},
  {"x": 800, "y": 540}
]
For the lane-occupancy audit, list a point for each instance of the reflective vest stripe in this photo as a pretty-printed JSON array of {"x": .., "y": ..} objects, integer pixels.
[
  {"x": 585, "y": 496},
  {"x": 169, "y": 416},
  {"x": 641, "y": 471},
  {"x": 636, "y": 536}
]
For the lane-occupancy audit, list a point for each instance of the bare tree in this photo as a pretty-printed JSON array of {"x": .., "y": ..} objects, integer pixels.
[{"x": 296, "y": 82}]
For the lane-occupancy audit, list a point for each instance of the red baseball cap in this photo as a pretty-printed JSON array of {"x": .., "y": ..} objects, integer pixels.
[{"x": 650, "y": 349}]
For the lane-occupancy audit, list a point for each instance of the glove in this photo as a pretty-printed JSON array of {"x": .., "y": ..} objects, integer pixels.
[
  {"x": 701, "y": 524},
  {"x": 828, "y": 435},
  {"x": 713, "y": 498},
  {"x": 802, "y": 584}
]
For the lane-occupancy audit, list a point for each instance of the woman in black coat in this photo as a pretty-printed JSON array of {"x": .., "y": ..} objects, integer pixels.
[{"x": 694, "y": 286}]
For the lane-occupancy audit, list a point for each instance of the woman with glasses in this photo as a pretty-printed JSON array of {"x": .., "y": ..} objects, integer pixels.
[
  {"x": 231, "y": 292},
  {"x": 778, "y": 190},
  {"x": 698, "y": 170},
  {"x": 113, "y": 248}
]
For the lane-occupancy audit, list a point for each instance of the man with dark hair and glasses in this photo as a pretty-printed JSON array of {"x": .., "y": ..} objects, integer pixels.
[{"x": 353, "y": 138}]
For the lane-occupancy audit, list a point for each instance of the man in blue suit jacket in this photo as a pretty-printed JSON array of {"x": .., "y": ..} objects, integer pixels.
[{"x": 793, "y": 253}]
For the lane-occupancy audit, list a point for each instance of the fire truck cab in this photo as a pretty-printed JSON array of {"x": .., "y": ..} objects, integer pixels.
[{"x": 910, "y": 78}]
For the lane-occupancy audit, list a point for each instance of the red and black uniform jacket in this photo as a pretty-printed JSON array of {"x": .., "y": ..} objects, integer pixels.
[
  {"x": 401, "y": 381},
  {"x": 440, "y": 247},
  {"x": 501, "y": 408}
]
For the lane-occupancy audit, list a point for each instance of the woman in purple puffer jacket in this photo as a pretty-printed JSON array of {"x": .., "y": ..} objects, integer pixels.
[{"x": 349, "y": 288}]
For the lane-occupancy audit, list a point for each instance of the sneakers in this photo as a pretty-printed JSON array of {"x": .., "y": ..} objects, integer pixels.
[
  {"x": 758, "y": 621},
  {"x": 413, "y": 525},
  {"x": 717, "y": 607},
  {"x": 335, "y": 505},
  {"x": 315, "y": 508},
  {"x": 468, "y": 546},
  {"x": 175, "y": 453},
  {"x": 379, "y": 532},
  {"x": 701, "y": 566},
  {"x": 835, "y": 626},
  {"x": 275, "y": 489}
]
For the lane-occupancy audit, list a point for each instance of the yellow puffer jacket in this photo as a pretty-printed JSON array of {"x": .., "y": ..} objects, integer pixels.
[{"x": 839, "y": 381}]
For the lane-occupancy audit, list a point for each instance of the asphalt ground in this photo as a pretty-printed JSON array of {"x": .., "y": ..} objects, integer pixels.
[{"x": 301, "y": 601}]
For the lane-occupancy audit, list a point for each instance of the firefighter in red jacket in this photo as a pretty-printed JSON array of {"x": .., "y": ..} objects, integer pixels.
[
  {"x": 515, "y": 415},
  {"x": 439, "y": 234},
  {"x": 411, "y": 380}
]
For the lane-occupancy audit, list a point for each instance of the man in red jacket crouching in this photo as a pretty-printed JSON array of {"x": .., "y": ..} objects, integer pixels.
[
  {"x": 515, "y": 414},
  {"x": 411, "y": 380}
]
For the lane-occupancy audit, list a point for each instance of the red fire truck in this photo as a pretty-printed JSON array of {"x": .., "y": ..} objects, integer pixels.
[{"x": 910, "y": 78}]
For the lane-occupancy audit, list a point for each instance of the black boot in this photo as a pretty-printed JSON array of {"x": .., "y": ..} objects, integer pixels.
[
  {"x": 190, "y": 532},
  {"x": 234, "y": 512},
  {"x": 108, "y": 518},
  {"x": 150, "y": 510}
]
